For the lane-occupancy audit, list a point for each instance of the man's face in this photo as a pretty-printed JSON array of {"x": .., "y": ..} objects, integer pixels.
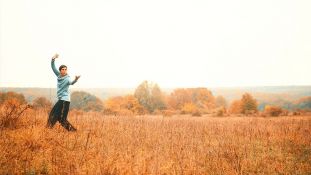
[{"x": 63, "y": 71}]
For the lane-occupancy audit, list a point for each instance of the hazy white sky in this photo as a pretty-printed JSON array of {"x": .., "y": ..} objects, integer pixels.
[{"x": 175, "y": 43}]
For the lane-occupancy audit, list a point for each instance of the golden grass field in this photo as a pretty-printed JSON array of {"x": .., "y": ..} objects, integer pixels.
[{"x": 158, "y": 145}]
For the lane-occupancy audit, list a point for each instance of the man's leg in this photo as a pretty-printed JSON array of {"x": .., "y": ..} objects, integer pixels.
[
  {"x": 54, "y": 114},
  {"x": 63, "y": 120}
]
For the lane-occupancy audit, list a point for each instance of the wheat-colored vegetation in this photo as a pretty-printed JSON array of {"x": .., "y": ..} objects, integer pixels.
[
  {"x": 156, "y": 145},
  {"x": 186, "y": 132}
]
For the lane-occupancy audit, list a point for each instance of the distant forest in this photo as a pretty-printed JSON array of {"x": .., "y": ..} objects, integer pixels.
[{"x": 287, "y": 97}]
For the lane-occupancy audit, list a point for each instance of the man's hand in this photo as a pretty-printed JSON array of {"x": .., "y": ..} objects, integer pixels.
[
  {"x": 55, "y": 56},
  {"x": 77, "y": 77}
]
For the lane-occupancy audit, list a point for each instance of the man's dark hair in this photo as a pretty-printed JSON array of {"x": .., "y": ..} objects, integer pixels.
[{"x": 62, "y": 66}]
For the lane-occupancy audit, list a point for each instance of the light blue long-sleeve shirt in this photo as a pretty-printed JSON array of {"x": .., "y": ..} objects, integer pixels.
[{"x": 62, "y": 84}]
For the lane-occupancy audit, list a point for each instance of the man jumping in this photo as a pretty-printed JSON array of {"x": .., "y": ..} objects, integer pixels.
[{"x": 60, "y": 110}]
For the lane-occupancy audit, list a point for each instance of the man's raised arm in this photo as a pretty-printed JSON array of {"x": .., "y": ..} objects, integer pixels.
[
  {"x": 56, "y": 72},
  {"x": 74, "y": 81}
]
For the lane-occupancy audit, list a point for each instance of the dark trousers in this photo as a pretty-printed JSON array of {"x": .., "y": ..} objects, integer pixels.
[{"x": 59, "y": 113}]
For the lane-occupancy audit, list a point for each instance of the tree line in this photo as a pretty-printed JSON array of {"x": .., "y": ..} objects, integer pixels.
[{"x": 148, "y": 98}]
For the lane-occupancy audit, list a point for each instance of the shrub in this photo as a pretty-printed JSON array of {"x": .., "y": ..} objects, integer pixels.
[
  {"x": 197, "y": 113},
  {"x": 41, "y": 102},
  {"x": 273, "y": 110},
  {"x": 11, "y": 112},
  {"x": 220, "y": 111},
  {"x": 189, "y": 108}
]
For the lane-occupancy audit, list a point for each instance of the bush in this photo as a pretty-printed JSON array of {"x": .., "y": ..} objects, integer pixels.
[
  {"x": 41, "y": 102},
  {"x": 189, "y": 108},
  {"x": 84, "y": 101},
  {"x": 196, "y": 113},
  {"x": 273, "y": 110},
  {"x": 12, "y": 95},
  {"x": 11, "y": 112},
  {"x": 220, "y": 111}
]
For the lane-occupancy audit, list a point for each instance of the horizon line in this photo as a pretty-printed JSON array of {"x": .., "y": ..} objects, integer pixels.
[{"x": 247, "y": 86}]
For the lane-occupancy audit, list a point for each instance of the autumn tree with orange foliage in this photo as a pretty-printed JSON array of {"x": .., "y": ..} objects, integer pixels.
[
  {"x": 178, "y": 98},
  {"x": 201, "y": 98},
  {"x": 273, "y": 110},
  {"x": 127, "y": 105},
  {"x": 190, "y": 108},
  {"x": 235, "y": 107},
  {"x": 246, "y": 105}
]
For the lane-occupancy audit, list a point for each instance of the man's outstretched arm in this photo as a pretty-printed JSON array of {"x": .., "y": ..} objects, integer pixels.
[
  {"x": 56, "y": 72},
  {"x": 74, "y": 81}
]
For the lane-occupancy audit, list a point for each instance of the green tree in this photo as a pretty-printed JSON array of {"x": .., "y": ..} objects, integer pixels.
[
  {"x": 248, "y": 104},
  {"x": 85, "y": 101},
  {"x": 150, "y": 96},
  {"x": 41, "y": 102},
  {"x": 143, "y": 95},
  {"x": 221, "y": 101},
  {"x": 157, "y": 98}
]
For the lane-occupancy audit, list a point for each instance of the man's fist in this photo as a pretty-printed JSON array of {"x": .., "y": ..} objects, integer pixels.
[{"x": 55, "y": 56}]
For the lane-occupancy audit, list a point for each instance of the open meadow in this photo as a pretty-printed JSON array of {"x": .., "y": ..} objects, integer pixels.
[
  {"x": 167, "y": 87},
  {"x": 157, "y": 145}
]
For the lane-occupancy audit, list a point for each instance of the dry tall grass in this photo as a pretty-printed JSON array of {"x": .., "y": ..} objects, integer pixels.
[{"x": 156, "y": 145}]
